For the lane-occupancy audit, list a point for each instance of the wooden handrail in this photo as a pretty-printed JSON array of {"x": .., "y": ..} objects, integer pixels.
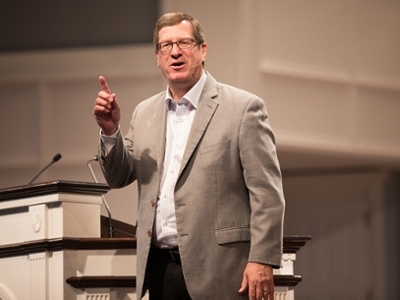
[
  {"x": 59, "y": 244},
  {"x": 81, "y": 282},
  {"x": 291, "y": 244}
]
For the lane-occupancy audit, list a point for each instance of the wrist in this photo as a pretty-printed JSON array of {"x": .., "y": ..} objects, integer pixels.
[{"x": 109, "y": 133}]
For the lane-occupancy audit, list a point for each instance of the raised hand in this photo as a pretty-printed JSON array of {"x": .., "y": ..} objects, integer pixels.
[{"x": 106, "y": 109}]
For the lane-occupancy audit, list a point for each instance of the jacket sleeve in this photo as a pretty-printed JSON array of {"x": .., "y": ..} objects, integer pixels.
[
  {"x": 264, "y": 183},
  {"x": 118, "y": 165}
]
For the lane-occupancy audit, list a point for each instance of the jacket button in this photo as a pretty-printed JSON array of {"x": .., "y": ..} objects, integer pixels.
[
  {"x": 149, "y": 233},
  {"x": 153, "y": 203}
]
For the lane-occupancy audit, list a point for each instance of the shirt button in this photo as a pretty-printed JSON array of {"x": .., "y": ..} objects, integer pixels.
[
  {"x": 153, "y": 203},
  {"x": 149, "y": 233}
]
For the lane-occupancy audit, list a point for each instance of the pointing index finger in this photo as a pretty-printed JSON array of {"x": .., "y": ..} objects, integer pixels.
[{"x": 104, "y": 85}]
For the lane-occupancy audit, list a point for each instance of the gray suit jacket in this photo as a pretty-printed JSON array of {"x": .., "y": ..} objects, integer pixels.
[{"x": 229, "y": 201}]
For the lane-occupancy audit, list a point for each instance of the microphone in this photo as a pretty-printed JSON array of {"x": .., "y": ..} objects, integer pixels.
[
  {"x": 201, "y": 61},
  {"x": 110, "y": 225},
  {"x": 56, "y": 158},
  {"x": 195, "y": 65}
]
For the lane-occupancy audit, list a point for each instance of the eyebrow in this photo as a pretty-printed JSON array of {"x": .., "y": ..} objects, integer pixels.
[{"x": 182, "y": 38}]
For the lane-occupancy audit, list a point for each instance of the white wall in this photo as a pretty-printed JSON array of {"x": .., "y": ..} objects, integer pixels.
[{"x": 329, "y": 72}]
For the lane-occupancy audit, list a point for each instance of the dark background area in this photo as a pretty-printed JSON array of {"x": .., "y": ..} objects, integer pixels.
[{"x": 49, "y": 24}]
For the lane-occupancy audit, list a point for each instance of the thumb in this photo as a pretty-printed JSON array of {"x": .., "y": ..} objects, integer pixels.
[
  {"x": 115, "y": 104},
  {"x": 244, "y": 285},
  {"x": 104, "y": 85}
]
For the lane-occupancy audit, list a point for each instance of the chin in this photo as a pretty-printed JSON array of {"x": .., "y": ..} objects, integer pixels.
[{"x": 179, "y": 77}]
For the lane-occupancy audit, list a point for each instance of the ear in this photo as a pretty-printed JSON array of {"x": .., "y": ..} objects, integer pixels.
[
  {"x": 157, "y": 58},
  {"x": 203, "y": 49},
  {"x": 158, "y": 61}
]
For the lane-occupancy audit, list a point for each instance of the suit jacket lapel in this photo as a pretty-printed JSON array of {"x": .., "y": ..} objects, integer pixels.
[
  {"x": 160, "y": 127},
  {"x": 205, "y": 110}
]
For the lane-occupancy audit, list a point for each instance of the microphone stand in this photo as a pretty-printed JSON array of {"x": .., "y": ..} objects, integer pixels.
[
  {"x": 110, "y": 226},
  {"x": 56, "y": 158}
]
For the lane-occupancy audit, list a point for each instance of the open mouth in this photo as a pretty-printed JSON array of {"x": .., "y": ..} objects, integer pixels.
[{"x": 177, "y": 64}]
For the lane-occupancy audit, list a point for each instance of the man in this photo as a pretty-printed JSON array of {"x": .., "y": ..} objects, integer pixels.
[{"x": 210, "y": 194}]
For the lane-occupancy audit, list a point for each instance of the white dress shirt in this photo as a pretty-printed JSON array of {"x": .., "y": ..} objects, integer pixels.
[{"x": 180, "y": 117}]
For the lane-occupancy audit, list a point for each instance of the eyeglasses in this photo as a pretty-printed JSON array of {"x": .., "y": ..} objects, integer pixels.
[{"x": 182, "y": 44}]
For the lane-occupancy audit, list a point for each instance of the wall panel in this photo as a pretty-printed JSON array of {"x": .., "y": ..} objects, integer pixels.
[{"x": 20, "y": 115}]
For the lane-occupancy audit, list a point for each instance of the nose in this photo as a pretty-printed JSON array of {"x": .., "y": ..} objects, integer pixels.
[{"x": 175, "y": 49}]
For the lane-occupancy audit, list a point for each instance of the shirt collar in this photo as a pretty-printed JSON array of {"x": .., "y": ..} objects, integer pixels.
[{"x": 192, "y": 96}]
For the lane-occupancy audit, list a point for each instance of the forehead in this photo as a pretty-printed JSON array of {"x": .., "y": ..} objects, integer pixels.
[{"x": 181, "y": 30}]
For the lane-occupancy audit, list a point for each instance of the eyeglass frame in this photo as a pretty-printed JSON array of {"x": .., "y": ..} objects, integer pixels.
[{"x": 194, "y": 42}]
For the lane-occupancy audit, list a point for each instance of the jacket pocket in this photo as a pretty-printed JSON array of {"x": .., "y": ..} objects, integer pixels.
[{"x": 232, "y": 235}]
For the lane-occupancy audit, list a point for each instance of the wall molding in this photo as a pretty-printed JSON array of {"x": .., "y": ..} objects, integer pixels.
[
  {"x": 78, "y": 64},
  {"x": 273, "y": 67},
  {"x": 5, "y": 293}
]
